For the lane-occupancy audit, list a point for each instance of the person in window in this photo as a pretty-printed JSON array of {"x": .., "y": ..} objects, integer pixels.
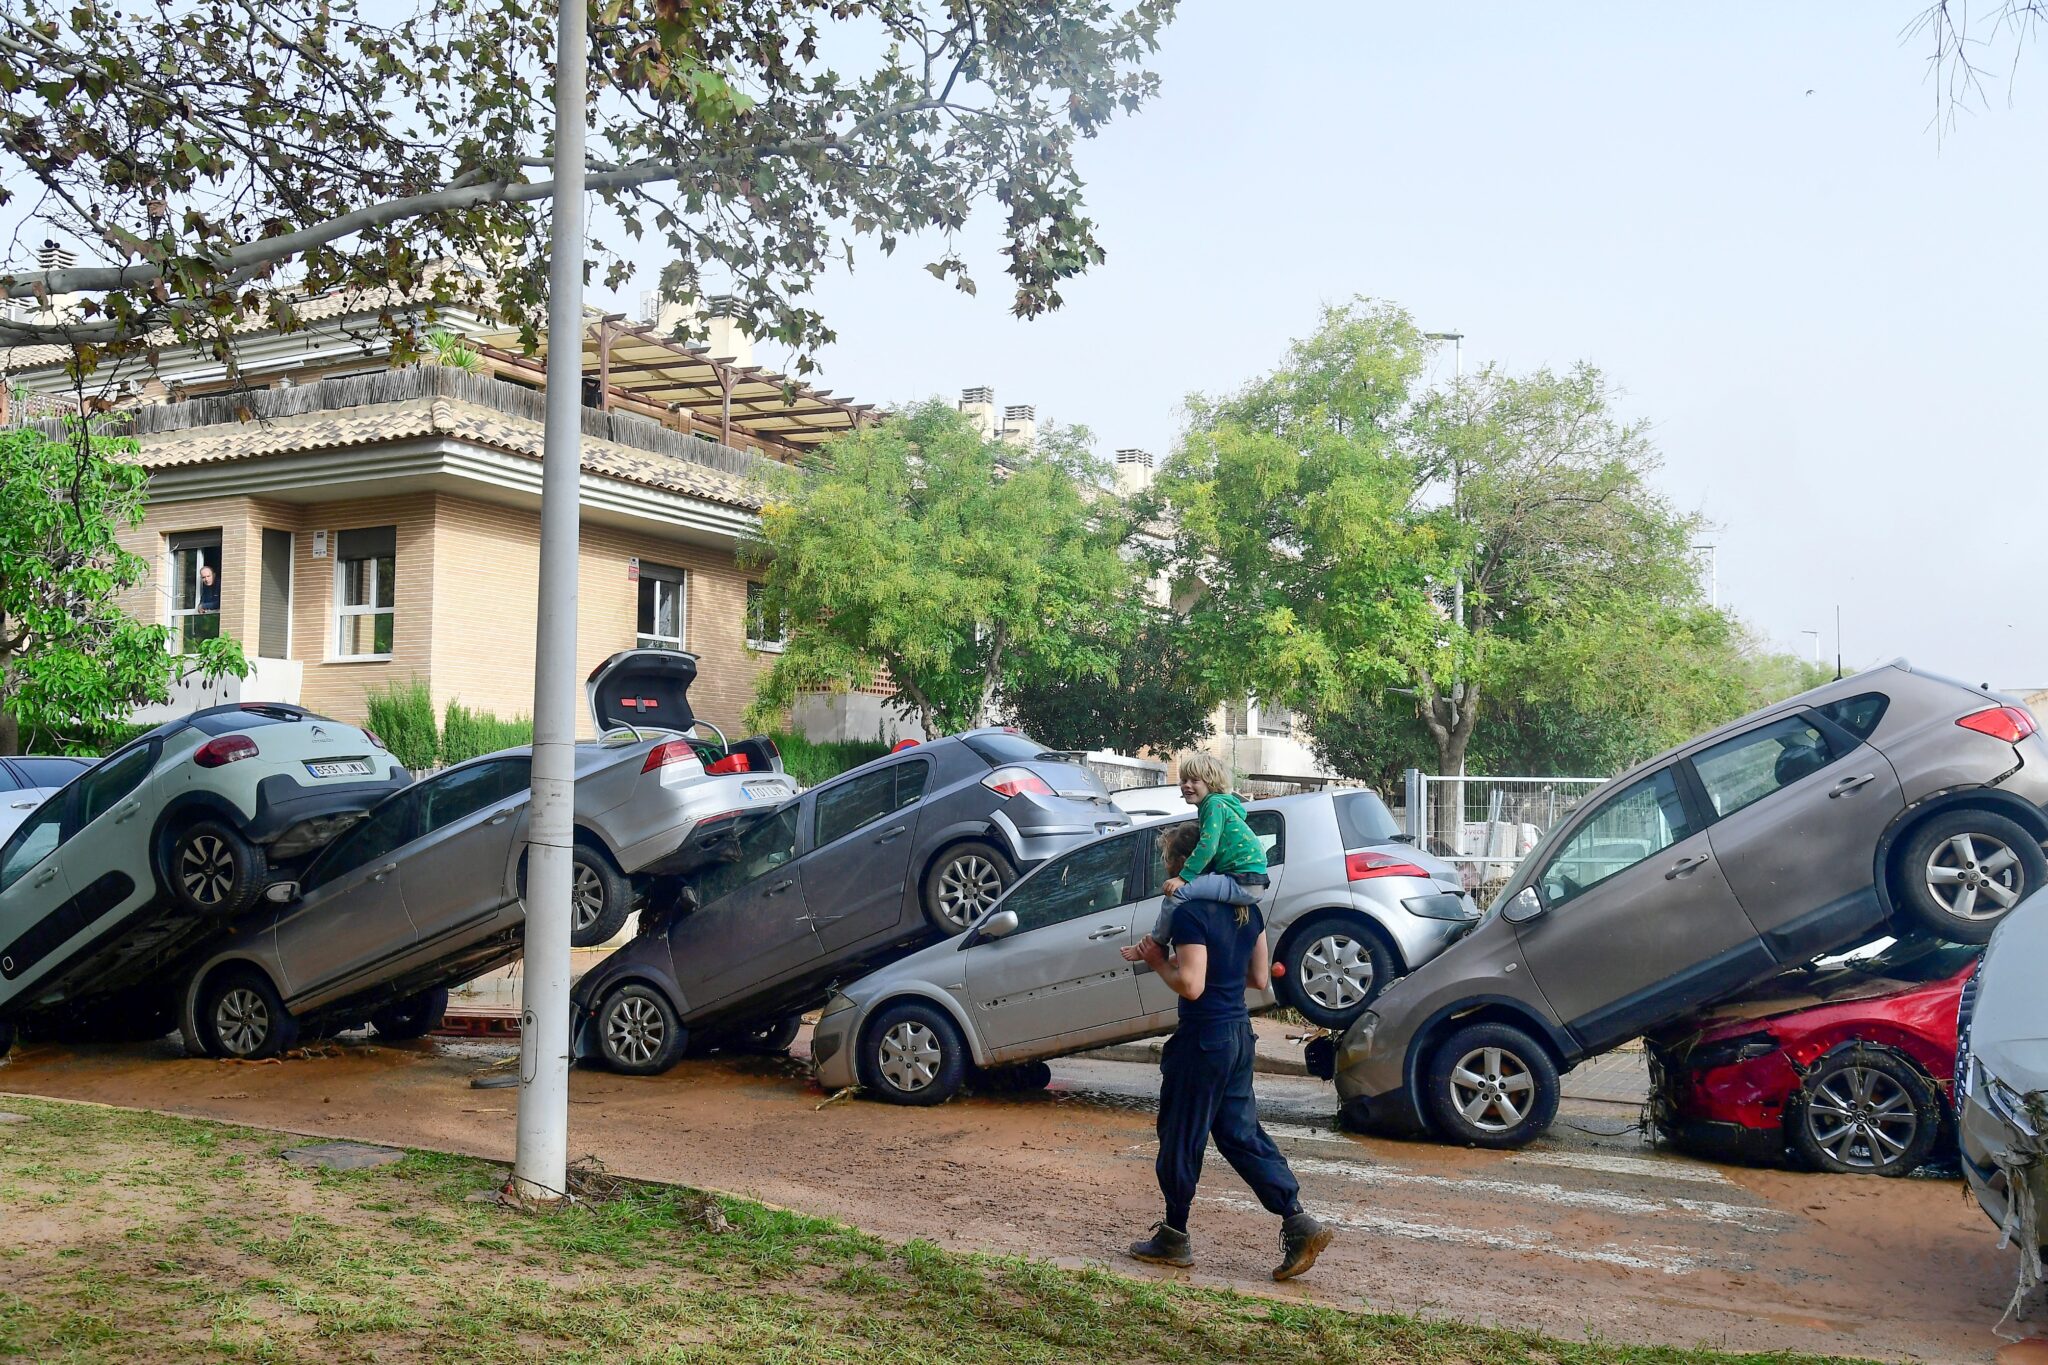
[
  {"x": 209, "y": 588},
  {"x": 1205, "y": 1074}
]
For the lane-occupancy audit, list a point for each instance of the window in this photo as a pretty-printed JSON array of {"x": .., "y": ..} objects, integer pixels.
[
  {"x": 466, "y": 791},
  {"x": 1275, "y": 719},
  {"x": 1742, "y": 771},
  {"x": 50, "y": 772},
  {"x": 1236, "y": 718},
  {"x": 663, "y": 607},
  {"x": 1362, "y": 819},
  {"x": 1643, "y": 820},
  {"x": 365, "y": 565},
  {"x": 195, "y": 588},
  {"x": 863, "y": 800},
  {"x": 1267, "y": 827},
  {"x": 100, "y": 790},
  {"x": 1085, "y": 881},
  {"x": 8, "y": 782},
  {"x": 1858, "y": 715},
  {"x": 388, "y": 828},
  {"x": 764, "y": 845},
  {"x": 764, "y": 629},
  {"x": 1002, "y": 746},
  {"x": 36, "y": 840}
]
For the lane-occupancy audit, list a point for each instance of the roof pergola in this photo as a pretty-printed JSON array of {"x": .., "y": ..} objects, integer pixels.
[{"x": 634, "y": 359}]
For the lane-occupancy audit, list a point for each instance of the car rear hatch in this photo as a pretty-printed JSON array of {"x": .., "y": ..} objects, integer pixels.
[
  {"x": 643, "y": 689},
  {"x": 1375, "y": 851},
  {"x": 1046, "y": 791}
]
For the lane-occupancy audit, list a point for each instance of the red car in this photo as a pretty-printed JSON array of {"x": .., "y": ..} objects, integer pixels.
[{"x": 1846, "y": 1065}]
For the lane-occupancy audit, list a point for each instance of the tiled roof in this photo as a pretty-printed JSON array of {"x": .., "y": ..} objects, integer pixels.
[{"x": 427, "y": 417}]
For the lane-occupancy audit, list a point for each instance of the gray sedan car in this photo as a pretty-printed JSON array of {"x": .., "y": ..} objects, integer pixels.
[
  {"x": 2001, "y": 1085},
  {"x": 1349, "y": 907}
]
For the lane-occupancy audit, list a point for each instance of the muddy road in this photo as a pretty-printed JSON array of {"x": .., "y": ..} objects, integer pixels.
[{"x": 1586, "y": 1232}]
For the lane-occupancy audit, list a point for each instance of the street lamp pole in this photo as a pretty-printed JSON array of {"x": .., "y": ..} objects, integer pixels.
[
  {"x": 1816, "y": 643},
  {"x": 540, "y": 1168}
]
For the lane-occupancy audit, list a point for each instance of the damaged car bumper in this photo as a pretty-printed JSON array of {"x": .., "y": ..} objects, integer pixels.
[{"x": 2004, "y": 1135}]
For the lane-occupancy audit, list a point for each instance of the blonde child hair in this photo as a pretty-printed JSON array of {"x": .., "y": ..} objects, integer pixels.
[{"x": 1207, "y": 769}]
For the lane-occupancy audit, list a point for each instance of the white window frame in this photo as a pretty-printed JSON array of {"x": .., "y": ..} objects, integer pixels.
[
  {"x": 176, "y": 615},
  {"x": 343, "y": 612},
  {"x": 762, "y": 645},
  {"x": 678, "y": 581}
]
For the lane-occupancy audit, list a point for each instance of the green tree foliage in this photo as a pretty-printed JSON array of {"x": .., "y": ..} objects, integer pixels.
[
  {"x": 1151, "y": 699},
  {"x": 402, "y": 714},
  {"x": 212, "y": 159},
  {"x": 71, "y": 662},
  {"x": 917, "y": 548}
]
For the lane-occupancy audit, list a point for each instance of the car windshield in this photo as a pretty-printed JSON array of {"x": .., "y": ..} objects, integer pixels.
[{"x": 1000, "y": 747}]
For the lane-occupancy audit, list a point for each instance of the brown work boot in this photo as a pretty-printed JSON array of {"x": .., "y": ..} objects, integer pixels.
[
  {"x": 1166, "y": 1246},
  {"x": 1302, "y": 1239}
]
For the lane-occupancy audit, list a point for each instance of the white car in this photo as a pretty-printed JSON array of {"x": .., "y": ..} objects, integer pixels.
[
  {"x": 27, "y": 782},
  {"x": 170, "y": 838}
]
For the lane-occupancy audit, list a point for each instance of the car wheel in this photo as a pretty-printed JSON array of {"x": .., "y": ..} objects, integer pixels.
[
  {"x": 1963, "y": 869},
  {"x": 638, "y": 1031},
  {"x": 1491, "y": 1085},
  {"x": 1016, "y": 1079},
  {"x": 241, "y": 1015},
  {"x": 963, "y": 883},
  {"x": 213, "y": 870},
  {"x": 1864, "y": 1112},
  {"x": 413, "y": 1017},
  {"x": 1335, "y": 968},
  {"x": 768, "y": 1040},
  {"x": 913, "y": 1054},
  {"x": 599, "y": 898}
]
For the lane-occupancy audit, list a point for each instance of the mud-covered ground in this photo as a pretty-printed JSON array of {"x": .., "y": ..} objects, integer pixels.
[{"x": 1587, "y": 1231}]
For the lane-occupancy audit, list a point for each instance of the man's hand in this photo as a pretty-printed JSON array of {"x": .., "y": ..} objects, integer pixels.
[
  {"x": 1172, "y": 885},
  {"x": 1153, "y": 955},
  {"x": 1135, "y": 952}
]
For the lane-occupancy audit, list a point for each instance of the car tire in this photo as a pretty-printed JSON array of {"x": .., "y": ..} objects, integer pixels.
[
  {"x": 1959, "y": 873},
  {"x": 413, "y": 1017},
  {"x": 1335, "y": 969},
  {"x": 639, "y": 1032},
  {"x": 1864, "y": 1111},
  {"x": 771, "y": 1039},
  {"x": 600, "y": 898},
  {"x": 961, "y": 885},
  {"x": 913, "y": 1054},
  {"x": 240, "y": 1015},
  {"x": 1490, "y": 1085},
  {"x": 1016, "y": 1079},
  {"x": 212, "y": 870}
]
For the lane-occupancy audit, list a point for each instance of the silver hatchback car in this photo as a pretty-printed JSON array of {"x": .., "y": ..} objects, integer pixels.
[{"x": 1350, "y": 907}]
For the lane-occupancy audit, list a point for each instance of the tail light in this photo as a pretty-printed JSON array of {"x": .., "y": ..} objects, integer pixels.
[
  {"x": 1016, "y": 782},
  {"x": 1364, "y": 866},
  {"x": 226, "y": 749},
  {"x": 731, "y": 763},
  {"x": 667, "y": 752},
  {"x": 2009, "y": 723},
  {"x": 371, "y": 735}
]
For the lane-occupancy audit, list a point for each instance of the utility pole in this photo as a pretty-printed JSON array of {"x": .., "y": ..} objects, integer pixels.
[{"x": 540, "y": 1169}]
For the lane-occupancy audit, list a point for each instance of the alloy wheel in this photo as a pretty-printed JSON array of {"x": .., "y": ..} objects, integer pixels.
[
  {"x": 910, "y": 1056},
  {"x": 1974, "y": 876},
  {"x": 241, "y": 1021},
  {"x": 1492, "y": 1088},
  {"x": 1336, "y": 972},
  {"x": 967, "y": 887},
  {"x": 207, "y": 869},
  {"x": 1862, "y": 1118},
  {"x": 586, "y": 895},
  {"x": 634, "y": 1030}
]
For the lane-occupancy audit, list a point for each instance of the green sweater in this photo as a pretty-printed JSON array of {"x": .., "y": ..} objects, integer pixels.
[{"x": 1227, "y": 844}]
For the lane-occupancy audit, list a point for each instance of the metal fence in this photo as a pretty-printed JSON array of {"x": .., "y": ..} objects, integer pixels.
[{"x": 1486, "y": 825}]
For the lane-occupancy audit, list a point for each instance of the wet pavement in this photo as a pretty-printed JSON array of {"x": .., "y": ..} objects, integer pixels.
[{"x": 1588, "y": 1231}]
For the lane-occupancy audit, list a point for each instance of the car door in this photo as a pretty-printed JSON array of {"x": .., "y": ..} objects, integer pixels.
[
  {"x": 1638, "y": 923},
  {"x": 863, "y": 828},
  {"x": 751, "y": 928},
  {"x": 1798, "y": 807},
  {"x": 1060, "y": 974},
  {"x": 351, "y": 912},
  {"x": 107, "y": 831},
  {"x": 1157, "y": 1000},
  {"x": 33, "y": 894},
  {"x": 455, "y": 870}
]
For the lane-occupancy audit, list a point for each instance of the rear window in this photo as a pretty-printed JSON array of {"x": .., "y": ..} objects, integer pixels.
[
  {"x": 998, "y": 749},
  {"x": 51, "y": 772},
  {"x": 1858, "y": 715},
  {"x": 241, "y": 720},
  {"x": 1363, "y": 818}
]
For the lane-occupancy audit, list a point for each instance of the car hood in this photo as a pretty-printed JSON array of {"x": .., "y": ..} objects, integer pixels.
[
  {"x": 2009, "y": 1027},
  {"x": 645, "y": 689}
]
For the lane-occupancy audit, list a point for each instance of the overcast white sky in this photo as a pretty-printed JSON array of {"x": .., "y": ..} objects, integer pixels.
[{"x": 1834, "y": 318}]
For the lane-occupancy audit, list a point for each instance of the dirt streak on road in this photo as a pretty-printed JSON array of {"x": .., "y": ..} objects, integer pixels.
[{"x": 1582, "y": 1233}]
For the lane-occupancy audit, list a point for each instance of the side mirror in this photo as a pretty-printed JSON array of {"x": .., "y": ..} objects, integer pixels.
[
  {"x": 1523, "y": 907},
  {"x": 281, "y": 893},
  {"x": 1001, "y": 924}
]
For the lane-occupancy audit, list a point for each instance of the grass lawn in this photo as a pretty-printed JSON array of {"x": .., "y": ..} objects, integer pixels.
[{"x": 129, "y": 1236}]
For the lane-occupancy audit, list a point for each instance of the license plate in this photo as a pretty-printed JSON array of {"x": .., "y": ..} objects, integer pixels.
[
  {"x": 762, "y": 791},
  {"x": 340, "y": 767}
]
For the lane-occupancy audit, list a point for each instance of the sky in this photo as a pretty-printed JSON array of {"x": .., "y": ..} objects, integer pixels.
[{"x": 1831, "y": 311}]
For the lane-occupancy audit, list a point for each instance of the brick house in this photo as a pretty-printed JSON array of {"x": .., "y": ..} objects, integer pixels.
[{"x": 355, "y": 525}]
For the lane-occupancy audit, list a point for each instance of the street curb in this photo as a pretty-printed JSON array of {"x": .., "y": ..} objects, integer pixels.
[{"x": 1148, "y": 1053}]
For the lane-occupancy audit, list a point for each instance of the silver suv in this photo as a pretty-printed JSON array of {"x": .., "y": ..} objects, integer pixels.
[{"x": 1893, "y": 801}]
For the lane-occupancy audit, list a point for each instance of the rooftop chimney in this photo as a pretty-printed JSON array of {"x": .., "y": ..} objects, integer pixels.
[
  {"x": 1020, "y": 425},
  {"x": 50, "y": 256},
  {"x": 1133, "y": 470},
  {"x": 708, "y": 322},
  {"x": 979, "y": 407}
]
